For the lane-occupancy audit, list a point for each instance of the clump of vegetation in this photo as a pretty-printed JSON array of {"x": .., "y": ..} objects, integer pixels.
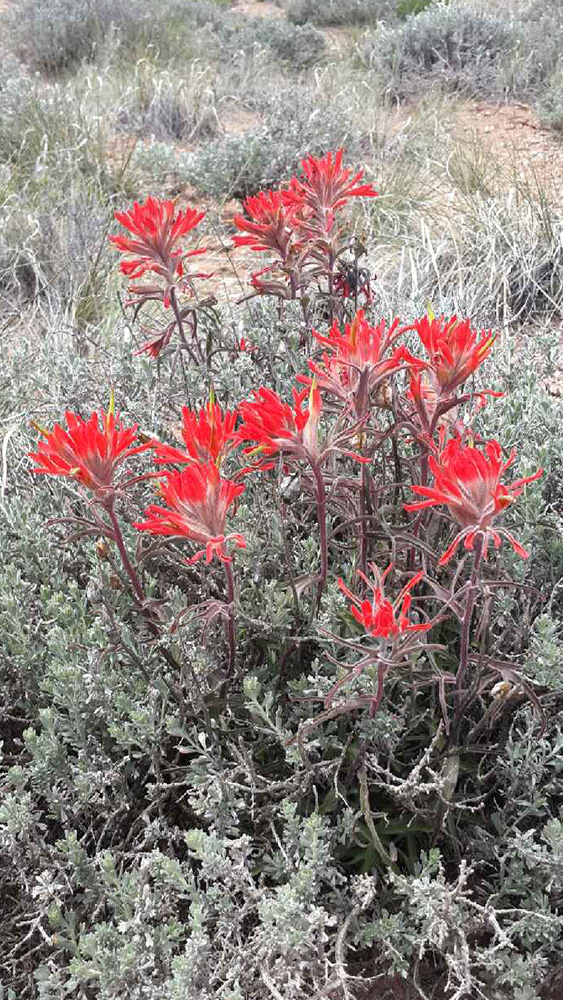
[
  {"x": 333, "y": 13},
  {"x": 166, "y": 106},
  {"x": 551, "y": 103},
  {"x": 455, "y": 44},
  {"x": 240, "y": 165},
  {"x": 326, "y": 752},
  {"x": 57, "y": 34}
]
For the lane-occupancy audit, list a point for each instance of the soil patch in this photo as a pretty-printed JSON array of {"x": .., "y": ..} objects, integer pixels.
[
  {"x": 516, "y": 139},
  {"x": 258, "y": 8}
]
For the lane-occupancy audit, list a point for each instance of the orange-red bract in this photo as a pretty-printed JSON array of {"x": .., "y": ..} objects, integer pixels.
[
  {"x": 208, "y": 436},
  {"x": 324, "y": 187},
  {"x": 88, "y": 451},
  {"x": 454, "y": 349},
  {"x": 197, "y": 501},
  {"x": 154, "y": 245},
  {"x": 381, "y": 617},
  {"x": 269, "y": 223},
  {"x": 358, "y": 359},
  {"x": 275, "y": 426},
  {"x": 467, "y": 482}
]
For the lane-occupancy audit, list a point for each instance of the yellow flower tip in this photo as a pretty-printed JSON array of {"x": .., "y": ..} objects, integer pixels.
[
  {"x": 111, "y": 408},
  {"x": 354, "y": 331},
  {"x": 75, "y": 471},
  {"x": 485, "y": 348},
  {"x": 430, "y": 312},
  {"x": 314, "y": 398},
  {"x": 39, "y": 428}
]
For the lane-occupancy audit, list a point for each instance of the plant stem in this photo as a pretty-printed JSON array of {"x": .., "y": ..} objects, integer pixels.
[
  {"x": 139, "y": 594},
  {"x": 128, "y": 566},
  {"x": 321, "y": 515},
  {"x": 331, "y": 287},
  {"x": 363, "y": 525},
  {"x": 468, "y": 617},
  {"x": 180, "y": 325},
  {"x": 230, "y": 625}
]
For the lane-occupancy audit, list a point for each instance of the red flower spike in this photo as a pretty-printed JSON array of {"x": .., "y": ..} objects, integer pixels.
[
  {"x": 455, "y": 350},
  {"x": 154, "y": 245},
  {"x": 358, "y": 360},
  {"x": 89, "y": 452},
  {"x": 208, "y": 436},
  {"x": 276, "y": 427},
  {"x": 467, "y": 482},
  {"x": 197, "y": 501},
  {"x": 324, "y": 187},
  {"x": 380, "y": 617},
  {"x": 270, "y": 226},
  {"x": 279, "y": 429}
]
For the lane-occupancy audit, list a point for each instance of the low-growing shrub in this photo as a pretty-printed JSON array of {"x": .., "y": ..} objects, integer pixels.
[
  {"x": 298, "y": 46},
  {"x": 550, "y": 104},
  {"x": 51, "y": 35},
  {"x": 239, "y": 165},
  {"x": 334, "y": 13},
  {"x": 166, "y": 106},
  {"x": 57, "y": 34},
  {"x": 457, "y": 44}
]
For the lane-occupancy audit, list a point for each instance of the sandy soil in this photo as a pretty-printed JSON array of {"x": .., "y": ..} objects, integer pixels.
[
  {"x": 258, "y": 8},
  {"x": 517, "y": 140}
]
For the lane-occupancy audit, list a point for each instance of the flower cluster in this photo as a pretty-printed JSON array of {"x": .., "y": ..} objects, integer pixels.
[
  {"x": 378, "y": 405},
  {"x": 197, "y": 501},
  {"x": 380, "y": 617},
  {"x": 357, "y": 362},
  {"x": 298, "y": 226}
]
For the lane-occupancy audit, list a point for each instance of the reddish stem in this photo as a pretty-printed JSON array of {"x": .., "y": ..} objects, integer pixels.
[
  {"x": 180, "y": 325},
  {"x": 363, "y": 524},
  {"x": 468, "y": 617},
  {"x": 321, "y": 515},
  {"x": 230, "y": 624},
  {"x": 127, "y": 564}
]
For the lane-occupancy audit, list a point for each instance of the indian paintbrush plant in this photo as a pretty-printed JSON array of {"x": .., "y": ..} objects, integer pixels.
[
  {"x": 342, "y": 523},
  {"x": 386, "y": 408}
]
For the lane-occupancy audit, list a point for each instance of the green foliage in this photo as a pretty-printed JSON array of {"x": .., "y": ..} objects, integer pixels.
[{"x": 403, "y": 8}]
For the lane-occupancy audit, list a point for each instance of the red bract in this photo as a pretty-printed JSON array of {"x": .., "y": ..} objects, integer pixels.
[
  {"x": 197, "y": 503},
  {"x": 154, "y": 245},
  {"x": 358, "y": 361},
  {"x": 324, "y": 187},
  {"x": 380, "y": 617},
  {"x": 467, "y": 482},
  {"x": 270, "y": 226},
  {"x": 276, "y": 427},
  {"x": 208, "y": 436},
  {"x": 89, "y": 452},
  {"x": 455, "y": 350}
]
